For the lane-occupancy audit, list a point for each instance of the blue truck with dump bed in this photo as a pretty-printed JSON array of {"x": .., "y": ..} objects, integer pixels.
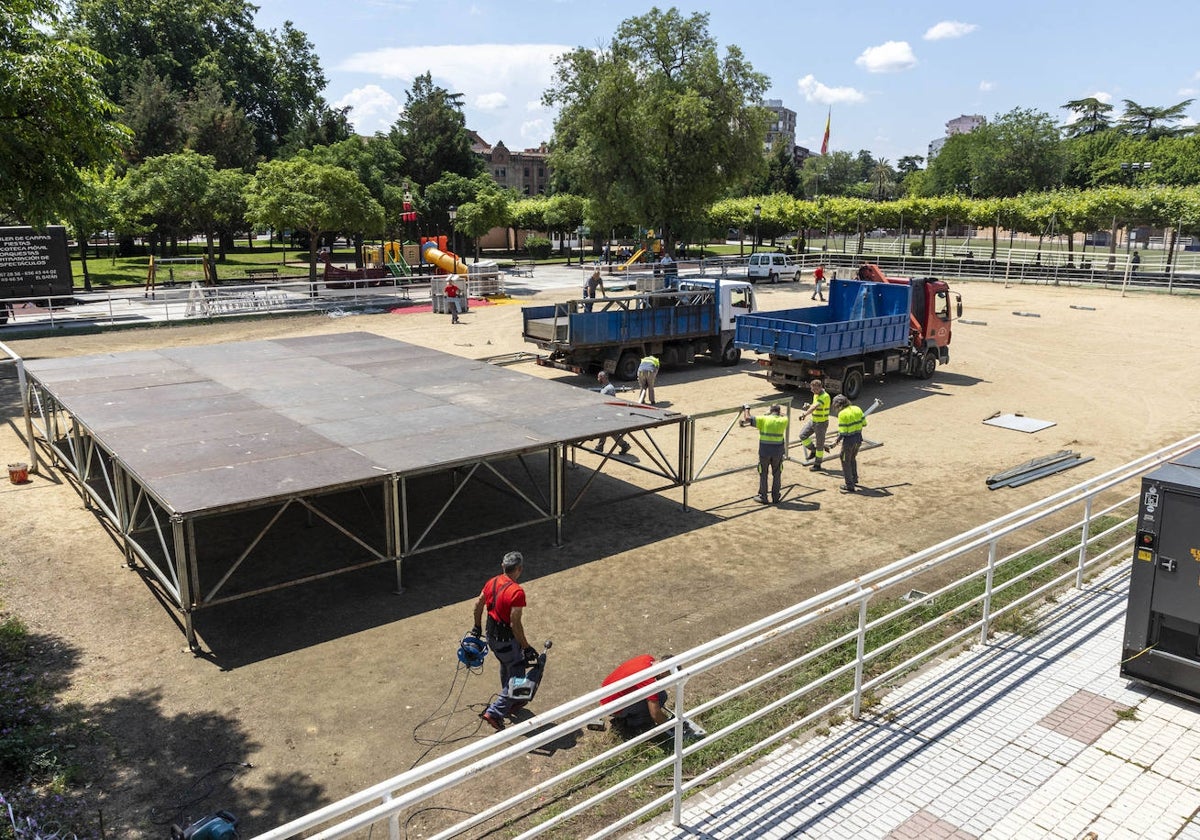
[
  {"x": 871, "y": 327},
  {"x": 689, "y": 317}
]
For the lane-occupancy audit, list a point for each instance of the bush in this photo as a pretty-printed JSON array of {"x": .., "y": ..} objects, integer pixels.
[
  {"x": 538, "y": 247},
  {"x": 916, "y": 249}
]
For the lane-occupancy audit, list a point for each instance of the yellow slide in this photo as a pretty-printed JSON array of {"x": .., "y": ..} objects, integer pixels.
[
  {"x": 445, "y": 261},
  {"x": 632, "y": 259}
]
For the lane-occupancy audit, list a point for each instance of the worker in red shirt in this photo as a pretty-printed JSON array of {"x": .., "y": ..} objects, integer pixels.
[
  {"x": 643, "y": 713},
  {"x": 503, "y": 599},
  {"x": 453, "y": 300}
]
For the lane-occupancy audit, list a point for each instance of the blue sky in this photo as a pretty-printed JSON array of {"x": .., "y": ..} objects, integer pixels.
[{"x": 891, "y": 73}]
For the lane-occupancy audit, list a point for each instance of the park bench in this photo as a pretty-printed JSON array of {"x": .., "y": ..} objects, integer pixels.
[
  {"x": 524, "y": 269},
  {"x": 970, "y": 255},
  {"x": 255, "y": 273}
]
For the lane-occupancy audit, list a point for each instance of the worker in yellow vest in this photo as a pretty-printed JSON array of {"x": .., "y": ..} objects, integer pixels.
[
  {"x": 818, "y": 422},
  {"x": 647, "y": 372},
  {"x": 772, "y": 445},
  {"x": 851, "y": 422}
]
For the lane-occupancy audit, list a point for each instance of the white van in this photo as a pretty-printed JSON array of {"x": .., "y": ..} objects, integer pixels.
[{"x": 771, "y": 267}]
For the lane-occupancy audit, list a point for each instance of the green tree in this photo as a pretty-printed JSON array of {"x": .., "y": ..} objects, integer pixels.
[
  {"x": 274, "y": 77},
  {"x": 161, "y": 196},
  {"x": 656, "y": 125},
  {"x": 1017, "y": 151},
  {"x": 489, "y": 210},
  {"x": 312, "y": 197},
  {"x": 431, "y": 133},
  {"x": 218, "y": 128},
  {"x": 1091, "y": 117},
  {"x": 55, "y": 119},
  {"x": 151, "y": 109},
  {"x": 1152, "y": 122}
]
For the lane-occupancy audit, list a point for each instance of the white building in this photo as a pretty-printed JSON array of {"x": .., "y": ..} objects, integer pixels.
[{"x": 963, "y": 124}]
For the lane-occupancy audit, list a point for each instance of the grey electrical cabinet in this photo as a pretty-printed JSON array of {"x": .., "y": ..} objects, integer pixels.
[{"x": 1162, "y": 620}]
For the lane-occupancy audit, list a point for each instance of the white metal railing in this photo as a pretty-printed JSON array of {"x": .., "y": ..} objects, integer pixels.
[
  {"x": 7, "y": 356},
  {"x": 185, "y": 302},
  {"x": 1041, "y": 529}
]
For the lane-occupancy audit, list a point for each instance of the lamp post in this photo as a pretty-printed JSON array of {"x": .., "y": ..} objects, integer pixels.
[
  {"x": 757, "y": 216},
  {"x": 452, "y": 212},
  {"x": 581, "y": 250}
]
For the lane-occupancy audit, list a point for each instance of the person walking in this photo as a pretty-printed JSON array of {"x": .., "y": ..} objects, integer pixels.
[
  {"x": 647, "y": 372},
  {"x": 812, "y": 433},
  {"x": 851, "y": 422},
  {"x": 772, "y": 444},
  {"x": 452, "y": 300},
  {"x": 607, "y": 389},
  {"x": 503, "y": 600},
  {"x": 590, "y": 287},
  {"x": 818, "y": 281}
]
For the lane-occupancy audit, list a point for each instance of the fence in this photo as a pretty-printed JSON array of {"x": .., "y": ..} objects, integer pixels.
[{"x": 1048, "y": 546}]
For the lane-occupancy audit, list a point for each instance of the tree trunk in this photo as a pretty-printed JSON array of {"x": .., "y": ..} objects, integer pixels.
[
  {"x": 87, "y": 278},
  {"x": 358, "y": 250},
  {"x": 210, "y": 268}
]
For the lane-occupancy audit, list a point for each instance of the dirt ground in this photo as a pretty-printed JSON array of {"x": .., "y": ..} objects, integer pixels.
[{"x": 326, "y": 689}]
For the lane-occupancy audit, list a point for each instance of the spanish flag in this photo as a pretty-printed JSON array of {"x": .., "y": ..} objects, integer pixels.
[{"x": 825, "y": 141}]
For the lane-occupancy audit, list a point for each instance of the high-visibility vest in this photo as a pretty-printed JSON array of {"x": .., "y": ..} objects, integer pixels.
[
  {"x": 850, "y": 420},
  {"x": 772, "y": 428},
  {"x": 649, "y": 362},
  {"x": 821, "y": 411}
]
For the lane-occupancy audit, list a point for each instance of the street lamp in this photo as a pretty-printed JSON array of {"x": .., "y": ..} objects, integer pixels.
[
  {"x": 452, "y": 212},
  {"x": 1132, "y": 170},
  {"x": 581, "y": 250},
  {"x": 757, "y": 215}
]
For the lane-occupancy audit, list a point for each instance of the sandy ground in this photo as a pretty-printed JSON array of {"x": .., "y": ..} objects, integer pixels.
[{"x": 325, "y": 689}]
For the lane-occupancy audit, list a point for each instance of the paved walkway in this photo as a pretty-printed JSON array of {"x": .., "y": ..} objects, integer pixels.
[{"x": 1030, "y": 737}]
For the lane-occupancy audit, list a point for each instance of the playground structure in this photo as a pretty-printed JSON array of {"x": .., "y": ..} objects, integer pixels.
[{"x": 447, "y": 261}]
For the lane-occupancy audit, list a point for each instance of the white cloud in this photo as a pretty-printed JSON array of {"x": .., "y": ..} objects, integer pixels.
[
  {"x": 534, "y": 105},
  {"x": 1187, "y": 91},
  {"x": 986, "y": 86},
  {"x": 534, "y": 131},
  {"x": 373, "y": 108},
  {"x": 1103, "y": 96},
  {"x": 890, "y": 57},
  {"x": 949, "y": 29},
  {"x": 493, "y": 101},
  {"x": 489, "y": 76},
  {"x": 815, "y": 91}
]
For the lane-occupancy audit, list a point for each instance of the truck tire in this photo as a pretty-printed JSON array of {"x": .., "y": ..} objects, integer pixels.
[
  {"x": 796, "y": 277},
  {"x": 774, "y": 278},
  {"x": 852, "y": 383},
  {"x": 730, "y": 355},
  {"x": 627, "y": 366},
  {"x": 928, "y": 365}
]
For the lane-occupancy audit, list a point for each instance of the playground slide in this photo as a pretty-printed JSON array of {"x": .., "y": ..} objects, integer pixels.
[
  {"x": 632, "y": 259},
  {"x": 444, "y": 260}
]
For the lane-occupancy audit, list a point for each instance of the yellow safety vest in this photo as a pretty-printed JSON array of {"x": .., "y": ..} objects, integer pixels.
[
  {"x": 821, "y": 411},
  {"x": 653, "y": 360},
  {"x": 850, "y": 420},
  {"x": 772, "y": 428}
]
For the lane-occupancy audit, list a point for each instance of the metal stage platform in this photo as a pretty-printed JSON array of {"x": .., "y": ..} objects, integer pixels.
[{"x": 235, "y": 469}]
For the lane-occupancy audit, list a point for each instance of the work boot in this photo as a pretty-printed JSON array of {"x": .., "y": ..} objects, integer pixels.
[
  {"x": 809, "y": 452},
  {"x": 816, "y": 467},
  {"x": 762, "y": 500},
  {"x": 492, "y": 721},
  {"x": 624, "y": 448}
]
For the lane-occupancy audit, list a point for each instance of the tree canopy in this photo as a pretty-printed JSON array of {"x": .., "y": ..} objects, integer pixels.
[
  {"x": 431, "y": 133},
  {"x": 656, "y": 126},
  {"x": 55, "y": 119}
]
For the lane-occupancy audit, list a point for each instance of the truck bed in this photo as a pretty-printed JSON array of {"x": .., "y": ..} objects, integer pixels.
[
  {"x": 861, "y": 317},
  {"x": 618, "y": 321}
]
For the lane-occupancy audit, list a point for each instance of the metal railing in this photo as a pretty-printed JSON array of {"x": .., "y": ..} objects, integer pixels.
[
  {"x": 1055, "y": 548},
  {"x": 183, "y": 303}
]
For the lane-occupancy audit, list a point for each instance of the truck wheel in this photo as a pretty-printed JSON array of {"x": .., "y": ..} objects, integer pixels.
[
  {"x": 796, "y": 277},
  {"x": 852, "y": 384},
  {"x": 627, "y": 366},
  {"x": 928, "y": 365},
  {"x": 730, "y": 355},
  {"x": 774, "y": 278}
]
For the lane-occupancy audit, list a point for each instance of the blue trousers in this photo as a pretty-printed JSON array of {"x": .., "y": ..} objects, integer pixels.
[{"x": 512, "y": 664}]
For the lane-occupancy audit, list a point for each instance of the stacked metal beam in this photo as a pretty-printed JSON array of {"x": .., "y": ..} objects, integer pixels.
[{"x": 1036, "y": 468}]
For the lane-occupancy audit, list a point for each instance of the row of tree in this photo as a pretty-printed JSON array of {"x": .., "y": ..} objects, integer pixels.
[{"x": 1064, "y": 212}]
